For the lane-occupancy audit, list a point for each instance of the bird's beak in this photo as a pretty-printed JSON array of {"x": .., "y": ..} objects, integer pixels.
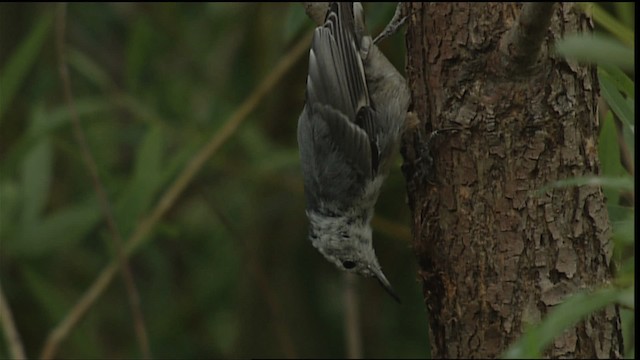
[{"x": 385, "y": 283}]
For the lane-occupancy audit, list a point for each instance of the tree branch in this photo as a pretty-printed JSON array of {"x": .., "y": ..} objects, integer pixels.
[
  {"x": 16, "y": 350},
  {"x": 394, "y": 24},
  {"x": 521, "y": 44}
]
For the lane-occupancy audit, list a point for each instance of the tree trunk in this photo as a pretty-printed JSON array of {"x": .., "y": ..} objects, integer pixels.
[{"x": 495, "y": 255}]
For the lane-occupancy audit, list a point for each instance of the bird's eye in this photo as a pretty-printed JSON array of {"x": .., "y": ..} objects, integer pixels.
[{"x": 348, "y": 264}]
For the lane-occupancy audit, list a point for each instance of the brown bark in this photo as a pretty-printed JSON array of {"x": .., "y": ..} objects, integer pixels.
[{"x": 494, "y": 255}]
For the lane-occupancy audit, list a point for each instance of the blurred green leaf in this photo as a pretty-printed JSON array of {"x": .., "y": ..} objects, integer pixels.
[
  {"x": 295, "y": 21},
  {"x": 225, "y": 328},
  {"x": 145, "y": 182},
  {"x": 565, "y": 315},
  {"x": 264, "y": 155},
  {"x": 177, "y": 161},
  {"x": 618, "y": 213},
  {"x": 50, "y": 297},
  {"x": 149, "y": 159},
  {"x": 22, "y": 60},
  {"x": 10, "y": 201},
  {"x": 616, "y": 101},
  {"x": 627, "y": 318},
  {"x": 36, "y": 180},
  {"x": 172, "y": 166},
  {"x": 624, "y": 230},
  {"x": 627, "y": 297},
  {"x": 610, "y": 164},
  {"x": 626, "y": 12},
  {"x": 619, "y": 183},
  {"x": 628, "y": 138},
  {"x": 61, "y": 229},
  {"x": 625, "y": 276},
  {"x": 36, "y": 174},
  {"x": 55, "y": 119},
  {"x": 619, "y": 79},
  {"x": 141, "y": 111},
  {"x": 596, "y": 49},
  {"x": 137, "y": 52},
  {"x": 85, "y": 66},
  {"x": 615, "y": 27}
]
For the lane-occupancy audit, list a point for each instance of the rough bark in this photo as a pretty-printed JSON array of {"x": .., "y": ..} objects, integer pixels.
[{"x": 493, "y": 254}]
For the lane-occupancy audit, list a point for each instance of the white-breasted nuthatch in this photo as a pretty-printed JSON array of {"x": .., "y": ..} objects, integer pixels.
[{"x": 348, "y": 132}]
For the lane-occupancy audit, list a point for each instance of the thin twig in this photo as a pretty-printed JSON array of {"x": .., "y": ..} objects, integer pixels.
[
  {"x": 352, "y": 333},
  {"x": 105, "y": 205},
  {"x": 16, "y": 350},
  {"x": 61, "y": 331},
  {"x": 521, "y": 44},
  {"x": 394, "y": 24}
]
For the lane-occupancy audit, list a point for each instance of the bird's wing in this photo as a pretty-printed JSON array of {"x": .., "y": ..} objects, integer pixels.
[{"x": 337, "y": 80}]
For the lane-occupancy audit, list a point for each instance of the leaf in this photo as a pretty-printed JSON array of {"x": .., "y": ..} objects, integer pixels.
[
  {"x": 627, "y": 297},
  {"x": 596, "y": 49},
  {"x": 294, "y": 21},
  {"x": 627, "y": 322},
  {"x": 562, "y": 317},
  {"x": 36, "y": 179},
  {"x": 617, "y": 183},
  {"x": 625, "y": 11},
  {"x": 615, "y": 100},
  {"x": 22, "y": 60},
  {"x": 138, "y": 52},
  {"x": 51, "y": 298},
  {"x": 145, "y": 182},
  {"x": 615, "y": 27},
  {"x": 149, "y": 159},
  {"x": 55, "y": 119},
  {"x": 610, "y": 165},
  {"x": 622, "y": 82},
  {"x": 85, "y": 66},
  {"x": 623, "y": 231},
  {"x": 10, "y": 201},
  {"x": 59, "y": 230},
  {"x": 609, "y": 149},
  {"x": 36, "y": 176}
]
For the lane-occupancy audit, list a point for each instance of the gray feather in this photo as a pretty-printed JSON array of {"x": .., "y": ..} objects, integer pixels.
[
  {"x": 338, "y": 97},
  {"x": 329, "y": 176}
]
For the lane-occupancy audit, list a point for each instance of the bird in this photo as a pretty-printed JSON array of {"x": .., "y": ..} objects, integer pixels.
[{"x": 348, "y": 132}]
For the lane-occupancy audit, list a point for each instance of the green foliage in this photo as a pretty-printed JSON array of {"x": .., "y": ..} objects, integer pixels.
[
  {"x": 597, "y": 49},
  {"x": 623, "y": 30},
  {"x": 617, "y": 89},
  {"x": 562, "y": 317},
  {"x": 22, "y": 60},
  {"x": 227, "y": 271}
]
